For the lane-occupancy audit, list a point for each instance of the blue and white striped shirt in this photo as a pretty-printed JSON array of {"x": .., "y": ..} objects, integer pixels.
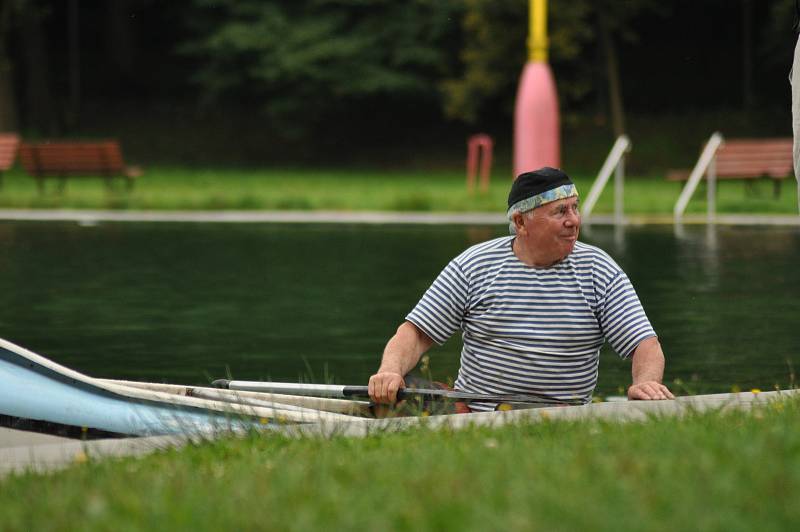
[{"x": 532, "y": 330}]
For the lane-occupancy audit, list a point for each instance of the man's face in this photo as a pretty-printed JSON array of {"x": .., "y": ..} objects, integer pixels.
[{"x": 552, "y": 229}]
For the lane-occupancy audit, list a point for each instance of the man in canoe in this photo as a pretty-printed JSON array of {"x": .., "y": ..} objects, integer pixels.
[{"x": 534, "y": 309}]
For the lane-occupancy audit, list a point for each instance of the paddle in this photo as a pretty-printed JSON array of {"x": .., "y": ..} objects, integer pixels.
[{"x": 337, "y": 390}]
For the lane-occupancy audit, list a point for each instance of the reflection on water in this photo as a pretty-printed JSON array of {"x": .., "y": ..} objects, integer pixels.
[{"x": 188, "y": 303}]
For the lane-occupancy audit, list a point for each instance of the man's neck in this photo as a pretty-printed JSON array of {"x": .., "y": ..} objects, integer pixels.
[{"x": 529, "y": 257}]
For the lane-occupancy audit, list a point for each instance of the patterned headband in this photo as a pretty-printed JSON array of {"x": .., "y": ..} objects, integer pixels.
[{"x": 548, "y": 196}]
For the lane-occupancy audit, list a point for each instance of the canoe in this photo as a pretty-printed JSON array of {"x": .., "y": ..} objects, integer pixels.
[{"x": 35, "y": 388}]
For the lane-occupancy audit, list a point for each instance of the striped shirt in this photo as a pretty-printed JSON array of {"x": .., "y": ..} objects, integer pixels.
[{"x": 532, "y": 330}]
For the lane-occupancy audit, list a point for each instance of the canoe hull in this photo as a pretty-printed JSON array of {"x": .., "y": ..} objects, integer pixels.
[{"x": 34, "y": 391}]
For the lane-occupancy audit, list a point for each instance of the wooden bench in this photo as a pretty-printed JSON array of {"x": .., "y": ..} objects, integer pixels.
[
  {"x": 750, "y": 159},
  {"x": 9, "y": 143},
  {"x": 69, "y": 159}
]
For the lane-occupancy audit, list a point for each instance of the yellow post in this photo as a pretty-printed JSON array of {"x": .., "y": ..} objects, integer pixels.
[{"x": 537, "y": 31}]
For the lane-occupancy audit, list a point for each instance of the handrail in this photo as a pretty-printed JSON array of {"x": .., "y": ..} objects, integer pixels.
[
  {"x": 705, "y": 164},
  {"x": 614, "y": 161}
]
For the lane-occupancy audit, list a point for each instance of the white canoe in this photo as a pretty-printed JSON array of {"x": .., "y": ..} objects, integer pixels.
[{"x": 35, "y": 388}]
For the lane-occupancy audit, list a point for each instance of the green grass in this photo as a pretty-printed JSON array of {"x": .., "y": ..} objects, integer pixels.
[
  {"x": 711, "y": 471},
  {"x": 169, "y": 188}
]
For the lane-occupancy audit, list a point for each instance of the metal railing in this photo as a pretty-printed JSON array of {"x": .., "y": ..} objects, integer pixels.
[
  {"x": 706, "y": 165},
  {"x": 615, "y": 162}
]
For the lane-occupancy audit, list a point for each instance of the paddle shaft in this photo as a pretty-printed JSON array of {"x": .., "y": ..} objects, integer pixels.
[{"x": 337, "y": 390}]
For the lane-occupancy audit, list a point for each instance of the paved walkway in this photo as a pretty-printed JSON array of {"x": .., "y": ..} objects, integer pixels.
[
  {"x": 30, "y": 451},
  {"x": 90, "y": 217},
  {"x": 16, "y": 438}
]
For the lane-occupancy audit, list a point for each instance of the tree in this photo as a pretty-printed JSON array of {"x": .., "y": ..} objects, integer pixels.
[
  {"x": 777, "y": 41},
  {"x": 300, "y": 60},
  {"x": 615, "y": 22},
  {"x": 120, "y": 37},
  {"x": 8, "y": 104},
  {"x": 21, "y": 24},
  {"x": 494, "y": 52},
  {"x": 40, "y": 107}
]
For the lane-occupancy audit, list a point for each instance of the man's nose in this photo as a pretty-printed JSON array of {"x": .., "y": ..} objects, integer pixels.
[{"x": 573, "y": 218}]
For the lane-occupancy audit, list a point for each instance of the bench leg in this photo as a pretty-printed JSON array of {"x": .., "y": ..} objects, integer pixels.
[
  {"x": 776, "y": 188},
  {"x": 40, "y": 185}
]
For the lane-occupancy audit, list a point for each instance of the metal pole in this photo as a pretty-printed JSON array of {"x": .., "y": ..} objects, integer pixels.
[
  {"x": 711, "y": 176},
  {"x": 618, "y": 151},
  {"x": 709, "y": 152}
]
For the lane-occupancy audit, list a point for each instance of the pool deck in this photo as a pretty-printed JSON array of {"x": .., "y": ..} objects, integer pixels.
[
  {"x": 91, "y": 217},
  {"x": 22, "y": 451},
  {"x": 10, "y": 438}
]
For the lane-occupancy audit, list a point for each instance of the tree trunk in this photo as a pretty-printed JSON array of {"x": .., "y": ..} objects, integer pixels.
[
  {"x": 120, "y": 36},
  {"x": 39, "y": 108},
  {"x": 8, "y": 104},
  {"x": 72, "y": 116},
  {"x": 748, "y": 98},
  {"x": 612, "y": 75}
]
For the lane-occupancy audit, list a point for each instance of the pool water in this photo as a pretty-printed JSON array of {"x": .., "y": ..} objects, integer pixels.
[{"x": 189, "y": 303}]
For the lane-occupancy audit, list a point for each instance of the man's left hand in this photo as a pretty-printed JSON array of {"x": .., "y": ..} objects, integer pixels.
[{"x": 649, "y": 391}]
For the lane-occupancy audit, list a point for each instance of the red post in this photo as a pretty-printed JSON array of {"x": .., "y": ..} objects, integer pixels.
[{"x": 479, "y": 150}]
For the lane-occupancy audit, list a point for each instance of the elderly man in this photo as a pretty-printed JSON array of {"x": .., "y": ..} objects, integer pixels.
[{"x": 535, "y": 308}]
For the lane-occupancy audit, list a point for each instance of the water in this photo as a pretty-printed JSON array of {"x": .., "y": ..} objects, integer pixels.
[{"x": 187, "y": 303}]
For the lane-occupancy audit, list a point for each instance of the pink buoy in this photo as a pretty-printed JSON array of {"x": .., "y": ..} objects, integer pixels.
[
  {"x": 479, "y": 154},
  {"x": 536, "y": 120},
  {"x": 537, "y": 134}
]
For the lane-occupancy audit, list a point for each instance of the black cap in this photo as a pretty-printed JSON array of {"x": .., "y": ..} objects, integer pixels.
[{"x": 534, "y": 183}]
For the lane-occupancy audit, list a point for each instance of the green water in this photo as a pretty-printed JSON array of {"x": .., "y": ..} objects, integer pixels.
[{"x": 187, "y": 303}]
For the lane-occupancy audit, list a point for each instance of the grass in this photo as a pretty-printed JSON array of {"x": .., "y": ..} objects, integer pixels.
[
  {"x": 707, "y": 471},
  {"x": 170, "y": 188}
]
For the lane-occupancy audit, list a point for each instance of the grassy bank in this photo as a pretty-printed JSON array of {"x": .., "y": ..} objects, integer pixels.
[
  {"x": 165, "y": 188},
  {"x": 710, "y": 471}
]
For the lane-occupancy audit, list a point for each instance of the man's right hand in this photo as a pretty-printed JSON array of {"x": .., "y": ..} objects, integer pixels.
[{"x": 383, "y": 386}]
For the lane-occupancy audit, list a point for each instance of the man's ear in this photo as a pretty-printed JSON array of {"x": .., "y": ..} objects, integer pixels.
[{"x": 519, "y": 223}]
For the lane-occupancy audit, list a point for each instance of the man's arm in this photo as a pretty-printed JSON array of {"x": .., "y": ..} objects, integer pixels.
[
  {"x": 402, "y": 353},
  {"x": 647, "y": 371}
]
